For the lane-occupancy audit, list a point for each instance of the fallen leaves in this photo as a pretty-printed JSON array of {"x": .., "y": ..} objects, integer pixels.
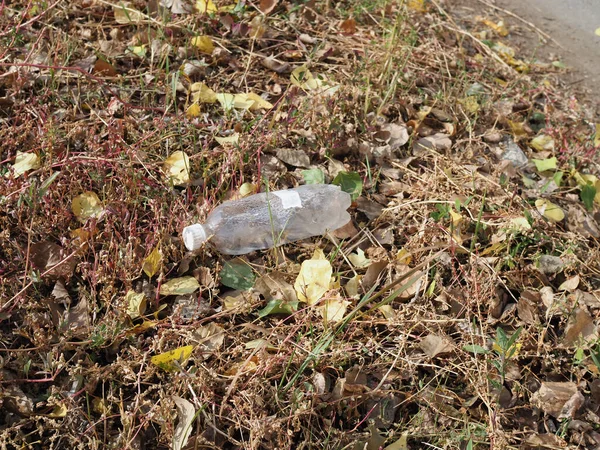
[
  {"x": 179, "y": 286},
  {"x": 314, "y": 278},
  {"x": 177, "y": 168},
  {"x": 86, "y": 206},
  {"x": 24, "y": 162}
]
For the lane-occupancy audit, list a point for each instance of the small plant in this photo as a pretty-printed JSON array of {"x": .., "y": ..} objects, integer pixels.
[{"x": 504, "y": 348}]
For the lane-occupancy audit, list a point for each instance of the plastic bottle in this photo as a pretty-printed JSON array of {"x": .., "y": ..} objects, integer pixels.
[{"x": 268, "y": 219}]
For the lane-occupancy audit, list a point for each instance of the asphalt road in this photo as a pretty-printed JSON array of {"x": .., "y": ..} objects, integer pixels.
[{"x": 572, "y": 24}]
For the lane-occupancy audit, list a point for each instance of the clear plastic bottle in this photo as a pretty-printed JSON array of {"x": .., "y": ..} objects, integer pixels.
[{"x": 268, "y": 219}]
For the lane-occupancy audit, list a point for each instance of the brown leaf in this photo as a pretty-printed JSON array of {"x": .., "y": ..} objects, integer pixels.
[
  {"x": 434, "y": 345},
  {"x": 552, "y": 396},
  {"x": 370, "y": 208},
  {"x": 527, "y": 306},
  {"x": 266, "y": 6},
  {"x": 104, "y": 68},
  {"x": 276, "y": 66},
  {"x": 78, "y": 319},
  {"x": 580, "y": 327},
  {"x": 296, "y": 158},
  {"x": 372, "y": 275},
  {"x": 47, "y": 256},
  {"x": 348, "y": 26}
]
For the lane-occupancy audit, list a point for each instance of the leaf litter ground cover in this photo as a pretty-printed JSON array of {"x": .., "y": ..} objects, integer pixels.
[{"x": 458, "y": 309}]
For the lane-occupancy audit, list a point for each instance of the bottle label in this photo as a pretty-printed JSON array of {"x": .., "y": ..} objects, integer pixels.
[{"x": 289, "y": 199}]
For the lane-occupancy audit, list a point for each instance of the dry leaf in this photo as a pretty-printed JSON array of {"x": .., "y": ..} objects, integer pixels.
[
  {"x": 201, "y": 93},
  {"x": 358, "y": 259},
  {"x": 86, "y": 205},
  {"x": 125, "y": 13},
  {"x": 205, "y": 6},
  {"x": 227, "y": 101},
  {"x": 136, "y": 304},
  {"x": 266, "y": 6},
  {"x": 186, "y": 413},
  {"x": 173, "y": 359},
  {"x": 23, "y": 163},
  {"x": 203, "y": 43},
  {"x": 570, "y": 284},
  {"x": 348, "y": 26},
  {"x": 152, "y": 263},
  {"x": 542, "y": 143},
  {"x": 177, "y": 167},
  {"x": 434, "y": 345},
  {"x": 334, "y": 309},
  {"x": 552, "y": 396},
  {"x": 314, "y": 278},
  {"x": 49, "y": 257},
  {"x": 180, "y": 286},
  {"x": 228, "y": 140},
  {"x": 193, "y": 111},
  {"x": 209, "y": 338},
  {"x": 580, "y": 328}
]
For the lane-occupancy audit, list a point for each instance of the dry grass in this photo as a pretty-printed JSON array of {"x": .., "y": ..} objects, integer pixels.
[{"x": 75, "y": 369}]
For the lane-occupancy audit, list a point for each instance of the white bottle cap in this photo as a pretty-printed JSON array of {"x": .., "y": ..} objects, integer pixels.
[{"x": 193, "y": 236}]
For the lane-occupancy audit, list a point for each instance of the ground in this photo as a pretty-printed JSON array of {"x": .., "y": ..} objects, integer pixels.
[{"x": 457, "y": 310}]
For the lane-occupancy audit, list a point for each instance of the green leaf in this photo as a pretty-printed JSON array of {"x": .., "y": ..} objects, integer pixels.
[
  {"x": 545, "y": 164},
  {"x": 237, "y": 274},
  {"x": 588, "y": 193},
  {"x": 313, "y": 176},
  {"x": 477, "y": 349},
  {"x": 278, "y": 306},
  {"x": 557, "y": 177},
  {"x": 350, "y": 182}
]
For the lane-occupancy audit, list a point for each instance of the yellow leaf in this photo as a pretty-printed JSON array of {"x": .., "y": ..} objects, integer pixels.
[
  {"x": 517, "y": 347},
  {"x": 152, "y": 263},
  {"x": 125, "y": 13},
  {"x": 517, "y": 128},
  {"x": 179, "y": 286},
  {"x": 136, "y": 304},
  {"x": 171, "y": 361},
  {"x": 203, "y": 43},
  {"x": 499, "y": 27},
  {"x": 387, "y": 311},
  {"x": 23, "y": 163},
  {"x": 60, "y": 410},
  {"x": 205, "y": 6},
  {"x": 201, "y": 93},
  {"x": 359, "y": 259},
  {"x": 404, "y": 256},
  {"x": 542, "y": 143},
  {"x": 334, "y": 309},
  {"x": 247, "y": 189},
  {"x": 352, "y": 286},
  {"x": 457, "y": 219},
  {"x": 314, "y": 278},
  {"x": 549, "y": 210},
  {"x": 597, "y": 136},
  {"x": 177, "y": 167},
  {"x": 227, "y": 101},
  {"x": 597, "y": 32},
  {"x": 303, "y": 78},
  {"x": 241, "y": 101},
  {"x": 86, "y": 205},
  {"x": 258, "y": 102},
  {"x": 138, "y": 50},
  {"x": 416, "y": 5},
  {"x": 193, "y": 111},
  {"x": 228, "y": 140},
  {"x": 249, "y": 365}
]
